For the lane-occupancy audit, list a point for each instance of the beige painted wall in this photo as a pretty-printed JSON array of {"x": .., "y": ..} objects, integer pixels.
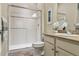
[
  {"x": 41, "y": 7},
  {"x": 4, "y": 45},
  {"x": 71, "y": 15},
  {"x": 53, "y": 6},
  {"x": 0, "y": 35}
]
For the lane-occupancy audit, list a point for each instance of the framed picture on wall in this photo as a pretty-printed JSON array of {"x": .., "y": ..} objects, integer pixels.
[{"x": 49, "y": 16}]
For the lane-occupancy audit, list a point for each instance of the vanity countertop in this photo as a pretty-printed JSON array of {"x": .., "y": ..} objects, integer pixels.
[{"x": 74, "y": 37}]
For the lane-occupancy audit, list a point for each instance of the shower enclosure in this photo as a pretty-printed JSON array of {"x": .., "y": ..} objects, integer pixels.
[{"x": 24, "y": 27}]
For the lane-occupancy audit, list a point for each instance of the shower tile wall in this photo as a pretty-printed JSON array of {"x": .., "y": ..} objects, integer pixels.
[
  {"x": 22, "y": 27},
  {"x": 23, "y": 31}
]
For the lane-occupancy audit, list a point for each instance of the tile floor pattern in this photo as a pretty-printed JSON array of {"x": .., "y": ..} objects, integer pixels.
[{"x": 21, "y": 52}]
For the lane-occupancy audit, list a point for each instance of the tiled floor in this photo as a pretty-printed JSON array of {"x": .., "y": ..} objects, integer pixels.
[
  {"x": 29, "y": 51},
  {"x": 22, "y": 52}
]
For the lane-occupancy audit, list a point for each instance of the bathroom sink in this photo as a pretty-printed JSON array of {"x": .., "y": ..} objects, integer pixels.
[
  {"x": 71, "y": 35},
  {"x": 65, "y": 34}
]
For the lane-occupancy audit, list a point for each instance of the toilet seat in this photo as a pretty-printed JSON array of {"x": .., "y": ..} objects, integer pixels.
[{"x": 38, "y": 44}]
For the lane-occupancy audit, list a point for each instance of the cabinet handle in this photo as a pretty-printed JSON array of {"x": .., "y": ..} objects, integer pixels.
[
  {"x": 56, "y": 51},
  {"x": 52, "y": 48}
]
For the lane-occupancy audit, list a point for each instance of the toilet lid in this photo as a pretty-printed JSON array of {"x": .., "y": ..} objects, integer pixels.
[{"x": 38, "y": 43}]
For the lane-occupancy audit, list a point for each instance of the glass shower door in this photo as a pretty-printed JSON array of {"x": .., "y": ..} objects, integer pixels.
[{"x": 23, "y": 25}]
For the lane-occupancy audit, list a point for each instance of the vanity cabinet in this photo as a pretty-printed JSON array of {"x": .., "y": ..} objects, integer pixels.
[
  {"x": 49, "y": 46},
  {"x": 61, "y": 52},
  {"x": 49, "y": 39},
  {"x": 69, "y": 46},
  {"x": 49, "y": 49},
  {"x": 59, "y": 46}
]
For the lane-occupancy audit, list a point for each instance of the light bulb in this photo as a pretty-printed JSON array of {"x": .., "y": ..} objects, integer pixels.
[{"x": 34, "y": 15}]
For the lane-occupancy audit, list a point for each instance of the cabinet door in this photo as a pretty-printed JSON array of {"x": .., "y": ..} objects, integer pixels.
[
  {"x": 49, "y": 49},
  {"x": 68, "y": 45},
  {"x": 49, "y": 39},
  {"x": 61, "y": 52}
]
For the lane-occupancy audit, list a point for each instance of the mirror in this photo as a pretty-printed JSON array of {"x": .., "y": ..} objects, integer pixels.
[{"x": 77, "y": 21}]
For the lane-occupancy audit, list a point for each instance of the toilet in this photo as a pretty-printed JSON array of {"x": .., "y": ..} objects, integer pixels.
[{"x": 38, "y": 48}]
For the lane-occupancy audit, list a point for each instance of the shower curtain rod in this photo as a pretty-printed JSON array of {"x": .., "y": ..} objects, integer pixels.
[
  {"x": 18, "y": 28},
  {"x": 24, "y": 7},
  {"x": 24, "y": 17}
]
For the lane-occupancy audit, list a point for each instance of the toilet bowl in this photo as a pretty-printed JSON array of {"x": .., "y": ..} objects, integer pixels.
[
  {"x": 38, "y": 48},
  {"x": 38, "y": 44}
]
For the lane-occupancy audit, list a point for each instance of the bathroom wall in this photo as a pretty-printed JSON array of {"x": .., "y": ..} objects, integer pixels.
[
  {"x": 71, "y": 15},
  {"x": 4, "y": 44},
  {"x": 41, "y": 7},
  {"x": 0, "y": 34},
  {"x": 53, "y": 6}
]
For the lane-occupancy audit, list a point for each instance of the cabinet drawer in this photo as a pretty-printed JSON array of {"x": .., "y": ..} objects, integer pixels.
[
  {"x": 49, "y": 39},
  {"x": 49, "y": 49},
  {"x": 70, "y": 46},
  {"x": 61, "y": 52}
]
